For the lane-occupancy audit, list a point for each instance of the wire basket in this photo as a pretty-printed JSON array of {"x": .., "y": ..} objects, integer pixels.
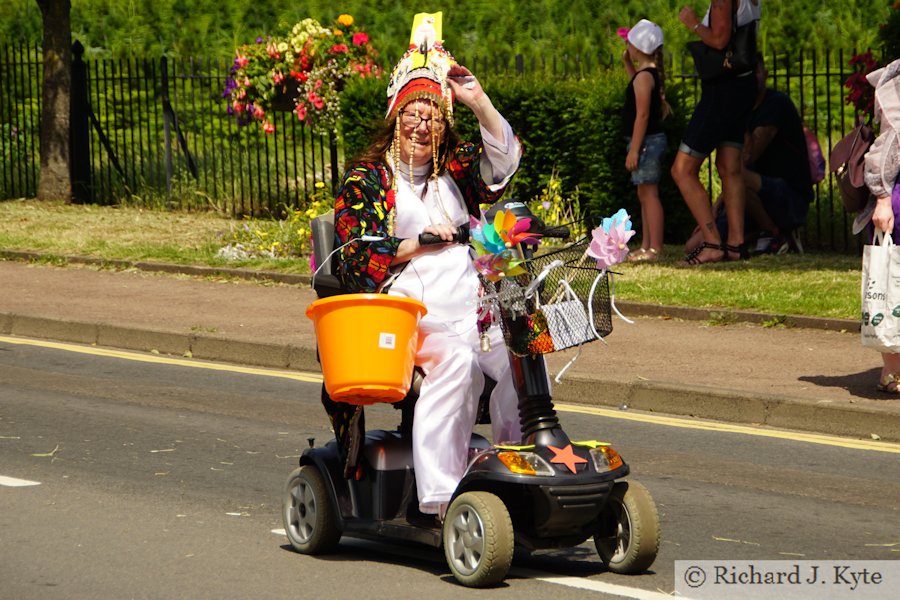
[{"x": 555, "y": 305}]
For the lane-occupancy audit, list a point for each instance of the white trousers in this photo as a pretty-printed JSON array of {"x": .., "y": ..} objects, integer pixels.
[{"x": 446, "y": 410}]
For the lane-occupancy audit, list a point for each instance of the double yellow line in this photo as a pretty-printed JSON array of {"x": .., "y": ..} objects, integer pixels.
[{"x": 795, "y": 436}]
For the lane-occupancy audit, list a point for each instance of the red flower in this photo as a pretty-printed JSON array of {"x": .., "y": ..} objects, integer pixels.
[
  {"x": 268, "y": 127},
  {"x": 360, "y": 38},
  {"x": 339, "y": 49}
]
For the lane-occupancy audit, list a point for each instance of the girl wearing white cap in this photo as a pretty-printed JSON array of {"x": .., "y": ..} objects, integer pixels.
[{"x": 645, "y": 108}]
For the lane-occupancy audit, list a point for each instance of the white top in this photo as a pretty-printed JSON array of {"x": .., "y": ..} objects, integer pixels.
[{"x": 445, "y": 280}]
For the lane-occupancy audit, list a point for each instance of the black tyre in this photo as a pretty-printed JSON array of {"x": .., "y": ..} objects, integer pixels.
[
  {"x": 628, "y": 537},
  {"x": 478, "y": 539},
  {"x": 307, "y": 512}
]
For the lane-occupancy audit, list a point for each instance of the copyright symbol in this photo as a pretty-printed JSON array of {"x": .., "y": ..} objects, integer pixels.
[{"x": 694, "y": 577}]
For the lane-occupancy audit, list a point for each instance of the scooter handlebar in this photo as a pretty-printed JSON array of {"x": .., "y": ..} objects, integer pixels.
[
  {"x": 561, "y": 232},
  {"x": 460, "y": 237}
]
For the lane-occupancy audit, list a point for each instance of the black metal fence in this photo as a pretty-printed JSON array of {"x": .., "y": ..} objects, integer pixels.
[{"x": 158, "y": 130}]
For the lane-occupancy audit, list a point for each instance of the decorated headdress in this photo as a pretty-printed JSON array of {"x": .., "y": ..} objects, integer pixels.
[{"x": 422, "y": 71}]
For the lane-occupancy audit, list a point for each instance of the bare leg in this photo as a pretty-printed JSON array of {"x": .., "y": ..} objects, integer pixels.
[
  {"x": 730, "y": 168},
  {"x": 651, "y": 216},
  {"x": 686, "y": 173},
  {"x": 891, "y": 366}
]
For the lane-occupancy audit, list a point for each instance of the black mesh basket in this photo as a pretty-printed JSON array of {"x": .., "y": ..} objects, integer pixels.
[{"x": 571, "y": 305}]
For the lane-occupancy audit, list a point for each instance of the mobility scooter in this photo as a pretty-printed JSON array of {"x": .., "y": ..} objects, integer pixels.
[{"x": 546, "y": 492}]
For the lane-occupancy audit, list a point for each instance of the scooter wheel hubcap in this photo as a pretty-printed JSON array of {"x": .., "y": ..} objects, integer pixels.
[{"x": 466, "y": 541}]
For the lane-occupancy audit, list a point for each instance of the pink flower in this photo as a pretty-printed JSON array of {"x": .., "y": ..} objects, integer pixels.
[
  {"x": 277, "y": 77},
  {"x": 242, "y": 61},
  {"x": 316, "y": 100},
  {"x": 318, "y": 83},
  {"x": 300, "y": 111},
  {"x": 622, "y": 32},
  {"x": 268, "y": 127},
  {"x": 339, "y": 49},
  {"x": 258, "y": 112},
  {"x": 237, "y": 106},
  {"x": 360, "y": 38}
]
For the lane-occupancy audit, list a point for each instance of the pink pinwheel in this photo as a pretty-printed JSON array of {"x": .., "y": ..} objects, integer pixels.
[{"x": 609, "y": 243}]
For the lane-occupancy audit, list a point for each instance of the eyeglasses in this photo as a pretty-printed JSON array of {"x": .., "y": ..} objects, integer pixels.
[{"x": 412, "y": 120}]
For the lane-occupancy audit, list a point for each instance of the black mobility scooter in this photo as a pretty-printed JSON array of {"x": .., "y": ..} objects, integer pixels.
[{"x": 547, "y": 492}]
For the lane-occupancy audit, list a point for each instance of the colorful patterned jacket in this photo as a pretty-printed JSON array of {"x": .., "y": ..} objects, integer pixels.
[{"x": 365, "y": 201}]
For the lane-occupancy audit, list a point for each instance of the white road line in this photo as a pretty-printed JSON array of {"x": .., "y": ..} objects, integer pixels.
[
  {"x": 573, "y": 582},
  {"x": 13, "y": 482},
  {"x": 593, "y": 585}
]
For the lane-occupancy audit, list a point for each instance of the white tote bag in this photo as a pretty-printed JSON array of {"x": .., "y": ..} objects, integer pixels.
[{"x": 881, "y": 295}]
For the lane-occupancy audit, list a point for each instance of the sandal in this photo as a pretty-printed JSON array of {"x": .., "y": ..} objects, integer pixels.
[
  {"x": 889, "y": 384},
  {"x": 693, "y": 258},
  {"x": 741, "y": 250},
  {"x": 644, "y": 255}
]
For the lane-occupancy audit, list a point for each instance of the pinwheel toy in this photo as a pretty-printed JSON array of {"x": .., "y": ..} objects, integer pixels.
[
  {"x": 493, "y": 243},
  {"x": 609, "y": 243}
]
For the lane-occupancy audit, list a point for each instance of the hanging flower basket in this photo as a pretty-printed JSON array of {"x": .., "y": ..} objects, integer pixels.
[{"x": 302, "y": 70}]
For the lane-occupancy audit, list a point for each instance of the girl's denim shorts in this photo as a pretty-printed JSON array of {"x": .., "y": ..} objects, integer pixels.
[{"x": 649, "y": 160}]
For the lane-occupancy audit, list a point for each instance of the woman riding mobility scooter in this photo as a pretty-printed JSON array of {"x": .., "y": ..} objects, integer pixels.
[{"x": 546, "y": 492}]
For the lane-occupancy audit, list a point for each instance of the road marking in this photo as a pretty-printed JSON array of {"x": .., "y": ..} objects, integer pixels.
[
  {"x": 794, "y": 436},
  {"x": 13, "y": 482},
  {"x": 164, "y": 360},
  {"x": 573, "y": 582},
  {"x": 593, "y": 585},
  {"x": 309, "y": 377}
]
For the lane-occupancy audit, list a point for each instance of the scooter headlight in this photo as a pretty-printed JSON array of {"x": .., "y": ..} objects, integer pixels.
[
  {"x": 605, "y": 459},
  {"x": 525, "y": 463}
]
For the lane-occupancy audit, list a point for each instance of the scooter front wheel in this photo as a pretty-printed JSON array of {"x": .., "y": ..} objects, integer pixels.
[
  {"x": 478, "y": 539},
  {"x": 627, "y": 539},
  {"x": 307, "y": 513}
]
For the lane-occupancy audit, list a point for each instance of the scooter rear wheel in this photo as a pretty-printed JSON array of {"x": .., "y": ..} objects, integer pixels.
[
  {"x": 478, "y": 539},
  {"x": 628, "y": 537},
  {"x": 307, "y": 513}
]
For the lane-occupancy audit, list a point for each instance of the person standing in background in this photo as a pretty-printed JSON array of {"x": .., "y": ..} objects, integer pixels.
[
  {"x": 718, "y": 123},
  {"x": 645, "y": 108}
]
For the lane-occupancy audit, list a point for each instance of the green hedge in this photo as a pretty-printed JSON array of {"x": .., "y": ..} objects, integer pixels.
[{"x": 572, "y": 127}]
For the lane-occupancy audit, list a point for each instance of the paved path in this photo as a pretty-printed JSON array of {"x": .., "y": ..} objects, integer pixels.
[{"x": 808, "y": 378}]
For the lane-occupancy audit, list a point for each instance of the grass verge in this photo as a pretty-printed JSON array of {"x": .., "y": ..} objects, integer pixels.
[{"x": 813, "y": 284}]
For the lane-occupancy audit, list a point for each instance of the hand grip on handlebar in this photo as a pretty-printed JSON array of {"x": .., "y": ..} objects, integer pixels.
[
  {"x": 460, "y": 237},
  {"x": 561, "y": 232}
]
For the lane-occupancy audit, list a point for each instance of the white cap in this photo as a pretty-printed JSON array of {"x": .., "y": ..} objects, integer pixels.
[{"x": 646, "y": 36}]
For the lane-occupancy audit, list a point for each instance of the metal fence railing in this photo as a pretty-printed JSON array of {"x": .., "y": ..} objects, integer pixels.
[{"x": 159, "y": 130}]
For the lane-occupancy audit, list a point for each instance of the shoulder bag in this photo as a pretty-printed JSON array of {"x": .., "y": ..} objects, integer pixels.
[
  {"x": 847, "y": 163},
  {"x": 736, "y": 58}
]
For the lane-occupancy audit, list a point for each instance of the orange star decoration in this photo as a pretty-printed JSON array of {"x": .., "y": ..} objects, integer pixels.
[{"x": 566, "y": 456}]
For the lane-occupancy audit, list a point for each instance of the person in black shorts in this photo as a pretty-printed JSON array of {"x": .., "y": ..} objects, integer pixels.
[
  {"x": 777, "y": 179},
  {"x": 718, "y": 123}
]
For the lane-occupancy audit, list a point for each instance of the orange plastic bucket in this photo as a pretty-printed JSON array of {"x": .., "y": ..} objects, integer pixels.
[{"x": 367, "y": 343}]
